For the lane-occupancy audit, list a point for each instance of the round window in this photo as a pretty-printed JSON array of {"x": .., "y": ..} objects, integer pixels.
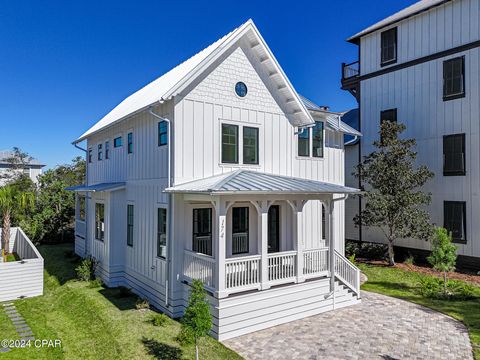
[{"x": 241, "y": 89}]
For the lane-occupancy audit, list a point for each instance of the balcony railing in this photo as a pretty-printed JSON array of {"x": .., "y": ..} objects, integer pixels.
[
  {"x": 199, "y": 266},
  {"x": 350, "y": 70},
  {"x": 282, "y": 267},
  {"x": 242, "y": 273}
]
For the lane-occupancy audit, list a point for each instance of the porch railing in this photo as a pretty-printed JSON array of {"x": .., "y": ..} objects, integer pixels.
[
  {"x": 315, "y": 262},
  {"x": 239, "y": 243},
  {"x": 202, "y": 244},
  {"x": 347, "y": 273},
  {"x": 242, "y": 273},
  {"x": 200, "y": 267},
  {"x": 281, "y": 266}
]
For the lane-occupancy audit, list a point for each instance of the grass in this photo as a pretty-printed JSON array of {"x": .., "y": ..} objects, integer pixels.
[
  {"x": 404, "y": 285},
  {"x": 96, "y": 322}
]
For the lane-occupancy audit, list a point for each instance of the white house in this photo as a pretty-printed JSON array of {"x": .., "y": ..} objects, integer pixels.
[
  {"x": 420, "y": 67},
  {"x": 33, "y": 169},
  {"x": 219, "y": 171}
]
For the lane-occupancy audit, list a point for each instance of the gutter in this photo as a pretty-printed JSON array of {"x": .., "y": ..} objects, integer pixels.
[{"x": 169, "y": 211}]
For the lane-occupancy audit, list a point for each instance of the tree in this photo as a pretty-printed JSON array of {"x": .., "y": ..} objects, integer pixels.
[
  {"x": 12, "y": 201},
  {"x": 444, "y": 254},
  {"x": 197, "y": 320},
  {"x": 55, "y": 208},
  {"x": 394, "y": 201}
]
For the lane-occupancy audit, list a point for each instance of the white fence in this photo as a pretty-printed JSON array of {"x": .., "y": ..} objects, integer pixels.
[{"x": 22, "y": 278}]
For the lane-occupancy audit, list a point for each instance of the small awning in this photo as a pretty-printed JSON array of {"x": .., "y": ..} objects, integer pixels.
[
  {"x": 98, "y": 187},
  {"x": 253, "y": 182}
]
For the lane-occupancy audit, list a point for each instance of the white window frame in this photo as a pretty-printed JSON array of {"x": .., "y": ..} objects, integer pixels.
[
  {"x": 310, "y": 136},
  {"x": 161, "y": 206}
]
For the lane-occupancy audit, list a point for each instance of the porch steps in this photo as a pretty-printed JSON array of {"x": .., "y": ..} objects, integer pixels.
[{"x": 243, "y": 314}]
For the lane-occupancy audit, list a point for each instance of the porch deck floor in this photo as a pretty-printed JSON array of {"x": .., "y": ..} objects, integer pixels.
[{"x": 380, "y": 327}]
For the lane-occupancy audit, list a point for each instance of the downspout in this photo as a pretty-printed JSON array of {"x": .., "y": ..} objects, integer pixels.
[
  {"x": 169, "y": 207},
  {"x": 331, "y": 245},
  {"x": 85, "y": 253},
  {"x": 351, "y": 141}
]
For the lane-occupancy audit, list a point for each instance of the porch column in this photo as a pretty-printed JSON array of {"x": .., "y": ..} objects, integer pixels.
[
  {"x": 297, "y": 207},
  {"x": 331, "y": 243},
  {"x": 262, "y": 209},
  {"x": 220, "y": 246}
]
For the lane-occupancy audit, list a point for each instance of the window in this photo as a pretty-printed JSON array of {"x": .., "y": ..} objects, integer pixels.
[
  {"x": 241, "y": 89},
  {"x": 90, "y": 152},
  {"x": 99, "y": 221},
  {"x": 454, "y": 78},
  {"x": 239, "y": 230},
  {"x": 117, "y": 142},
  {"x": 130, "y": 143},
  {"x": 100, "y": 153},
  {"x": 162, "y": 133},
  {"x": 130, "y": 217},
  {"x": 387, "y": 115},
  {"x": 304, "y": 142},
  {"x": 229, "y": 144},
  {"x": 107, "y": 150},
  {"x": 202, "y": 231},
  {"x": 162, "y": 233},
  {"x": 81, "y": 208},
  {"x": 317, "y": 139},
  {"x": 389, "y": 47},
  {"x": 250, "y": 145},
  {"x": 454, "y": 155},
  {"x": 454, "y": 218}
]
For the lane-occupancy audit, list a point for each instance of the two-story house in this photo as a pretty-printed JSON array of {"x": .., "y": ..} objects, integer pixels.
[
  {"x": 220, "y": 171},
  {"x": 420, "y": 67}
]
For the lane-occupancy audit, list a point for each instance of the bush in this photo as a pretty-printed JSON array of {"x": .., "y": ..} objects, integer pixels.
[
  {"x": 430, "y": 286},
  {"x": 142, "y": 304},
  {"x": 185, "y": 336},
  {"x": 159, "y": 319},
  {"x": 351, "y": 258},
  {"x": 461, "y": 291},
  {"x": 365, "y": 250},
  {"x": 86, "y": 269},
  {"x": 409, "y": 260},
  {"x": 95, "y": 283}
]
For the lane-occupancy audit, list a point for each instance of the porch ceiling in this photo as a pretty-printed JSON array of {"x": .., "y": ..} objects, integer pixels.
[{"x": 253, "y": 182}]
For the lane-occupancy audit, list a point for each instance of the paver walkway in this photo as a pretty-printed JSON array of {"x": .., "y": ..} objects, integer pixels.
[
  {"x": 21, "y": 327},
  {"x": 381, "y": 327}
]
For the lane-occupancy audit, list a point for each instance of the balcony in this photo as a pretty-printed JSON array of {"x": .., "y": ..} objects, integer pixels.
[{"x": 351, "y": 78}]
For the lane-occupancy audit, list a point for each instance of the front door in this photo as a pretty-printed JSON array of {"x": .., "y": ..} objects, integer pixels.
[{"x": 274, "y": 229}]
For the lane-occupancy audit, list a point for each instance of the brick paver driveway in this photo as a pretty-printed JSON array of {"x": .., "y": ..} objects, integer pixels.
[{"x": 380, "y": 327}]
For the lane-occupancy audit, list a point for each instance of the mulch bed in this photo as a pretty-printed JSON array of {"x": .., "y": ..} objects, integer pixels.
[{"x": 423, "y": 269}]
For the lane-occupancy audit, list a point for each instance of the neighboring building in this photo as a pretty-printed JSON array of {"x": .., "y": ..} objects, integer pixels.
[
  {"x": 201, "y": 174},
  {"x": 33, "y": 168},
  {"x": 420, "y": 67}
]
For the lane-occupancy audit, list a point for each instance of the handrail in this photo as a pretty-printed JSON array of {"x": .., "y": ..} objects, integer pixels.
[
  {"x": 350, "y": 70},
  {"x": 240, "y": 258},
  {"x": 282, "y": 253},
  {"x": 342, "y": 265},
  {"x": 201, "y": 256}
]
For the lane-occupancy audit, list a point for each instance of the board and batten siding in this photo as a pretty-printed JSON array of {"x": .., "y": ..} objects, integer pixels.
[
  {"x": 416, "y": 93},
  {"x": 443, "y": 27}
]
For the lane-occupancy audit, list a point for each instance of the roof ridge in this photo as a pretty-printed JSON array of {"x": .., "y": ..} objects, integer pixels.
[{"x": 230, "y": 176}]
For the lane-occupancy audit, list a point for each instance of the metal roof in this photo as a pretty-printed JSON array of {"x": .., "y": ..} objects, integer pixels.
[
  {"x": 253, "y": 182},
  {"x": 409, "y": 11},
  {"x": 7, "y": 154},
  {"x": 172, "y": 82},
  {"x": 333, "y": 119},
  {"x": 97, "y": 187}
]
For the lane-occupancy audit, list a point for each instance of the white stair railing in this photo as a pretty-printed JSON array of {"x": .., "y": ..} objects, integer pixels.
[{"x": 347, "y": 273}]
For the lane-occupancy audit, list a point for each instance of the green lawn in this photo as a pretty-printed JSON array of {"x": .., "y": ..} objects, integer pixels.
[
  {"x": 403, "y": 284},
  {"x": 95, "y": 323}
]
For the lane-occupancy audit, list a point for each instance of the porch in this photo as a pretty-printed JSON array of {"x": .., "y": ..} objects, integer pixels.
[{"x": 251, "y": 240}]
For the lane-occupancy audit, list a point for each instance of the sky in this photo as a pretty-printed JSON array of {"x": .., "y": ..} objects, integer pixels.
[{"x": 65, "y": 64}]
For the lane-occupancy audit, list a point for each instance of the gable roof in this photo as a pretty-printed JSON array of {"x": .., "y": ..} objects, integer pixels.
[
  {"x": 254, "y": 182},
  {"x": 177, "y": 79},
  {"x": 5, "y": 155},
  {"x": 333, "y": 119},
  {"x": 409, "y": 11}
]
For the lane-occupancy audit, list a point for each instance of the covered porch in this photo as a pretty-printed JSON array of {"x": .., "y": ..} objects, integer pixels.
[{"x": 249, "y": 232}]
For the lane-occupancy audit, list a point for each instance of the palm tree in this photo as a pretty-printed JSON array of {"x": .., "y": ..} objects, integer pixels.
[{"x": 12, "y": 201}]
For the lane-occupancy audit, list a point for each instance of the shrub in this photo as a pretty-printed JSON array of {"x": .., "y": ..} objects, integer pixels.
[
  {"x": 86, "y": 269},
  {"x": 159, "y": 319},
  {"x": 351, "y": 247},
  {"x": 185, "y": 337},
  {"x": 351, "y": 258},
  {"x": 444, "y": 254},
  {"x": 461, "y": 291},
  {"x": 409, "y": 260},
  {"x": 142, "y": 304},
  {"x": 430, "y": 286},
  {"x": 95, "y": 283}
]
